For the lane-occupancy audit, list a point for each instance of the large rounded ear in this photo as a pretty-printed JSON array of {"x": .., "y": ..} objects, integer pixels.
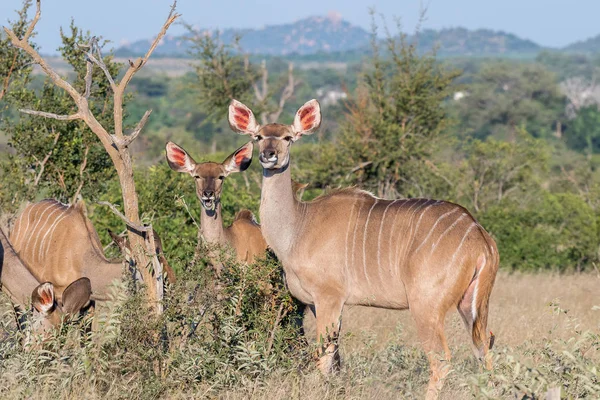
[
  {"x": 308, "y": 119},
  {"x": 240, "y": 159},
  {"x": 42, "y": 298},
  {"x": 241, "y": 119},
  {"x": 179, "y": 160},
  {"x": 77, "y": 296}
]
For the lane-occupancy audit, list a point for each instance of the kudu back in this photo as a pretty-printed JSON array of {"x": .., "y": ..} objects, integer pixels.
[
  {"x": 349, "y": 247},
  {"x": 244, "y": 234}
]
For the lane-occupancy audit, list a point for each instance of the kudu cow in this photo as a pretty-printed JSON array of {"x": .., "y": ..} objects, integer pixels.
[
  {"x": 59, "y": 244},
  {"x": 21, "y": 286},
  {"x": 349, "y": 247},
  {"x": 244, "y": 234}
]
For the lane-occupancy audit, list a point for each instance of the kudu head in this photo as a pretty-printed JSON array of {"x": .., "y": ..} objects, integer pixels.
[
  {"x": 274, "y": 140},
  {"x": 209, "y": 176},
  {"x": 49, "y": 313}
]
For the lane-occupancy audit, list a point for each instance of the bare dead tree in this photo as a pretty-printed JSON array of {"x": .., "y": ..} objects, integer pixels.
[
  {"x": 262, "y": 93},
  {"x": 580, "y": 93},
  {"x": 116, "y": 144}
]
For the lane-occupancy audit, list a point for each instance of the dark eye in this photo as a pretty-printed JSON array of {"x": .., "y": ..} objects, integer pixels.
[
  {"x": 221, "y": 177},
  {"x": 288, "y": 138},
  {"x": 196, "y": 176},
  {"x": 258, "y": 137}
]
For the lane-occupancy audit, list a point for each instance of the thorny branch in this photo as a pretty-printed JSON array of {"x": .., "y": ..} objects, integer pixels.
[
  {"x": 42, "y": 164},
  {"x": 115, "y": 210}
]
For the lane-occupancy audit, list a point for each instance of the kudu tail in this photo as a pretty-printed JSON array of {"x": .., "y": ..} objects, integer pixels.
[{"x": 484, "y": 282}]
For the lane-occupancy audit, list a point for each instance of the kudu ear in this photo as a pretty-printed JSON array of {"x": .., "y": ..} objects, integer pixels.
[
  {"x": 43, "y": 299},
  {"x": 241, "y": 119},
  {"x": 240, "y": 159},
  {"x": 179, "y": 160},
  {"x": 77, "y": 296},
  {"x": 308, "y": 119}
]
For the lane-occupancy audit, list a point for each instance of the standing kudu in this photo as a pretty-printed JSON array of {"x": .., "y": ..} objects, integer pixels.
[
  {"x": 59, "y": 244},
  {"x": 244, "y": 234},
  {"x": 349, "y": 247},
  {"x": 21, "y": 286}
]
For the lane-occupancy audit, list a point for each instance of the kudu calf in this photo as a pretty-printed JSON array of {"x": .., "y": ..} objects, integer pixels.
[
  {"x": 59, "y": 244},
  {"x": 349, "y": 247},
  {"x": 244, "y": 234},
  {"x": 21, "y": 286}
]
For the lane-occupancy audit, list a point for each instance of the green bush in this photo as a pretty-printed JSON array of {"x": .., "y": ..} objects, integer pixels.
[{"x": 557, "y": 232}]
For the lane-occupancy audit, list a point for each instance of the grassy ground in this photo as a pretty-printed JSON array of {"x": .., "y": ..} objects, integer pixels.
[
  {"x": 529, "y": 314},
  {"x": 547, "y": 335}
]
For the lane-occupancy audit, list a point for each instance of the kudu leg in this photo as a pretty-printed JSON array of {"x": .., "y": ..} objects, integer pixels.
[
  {"x": 433, "y": 339},
  {"x": 328, "y": 313}
]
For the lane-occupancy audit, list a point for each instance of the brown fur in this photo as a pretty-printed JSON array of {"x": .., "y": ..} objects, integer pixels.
[
  {"x": 349, "y": 247},
  {"x": 60, "y": 245}
]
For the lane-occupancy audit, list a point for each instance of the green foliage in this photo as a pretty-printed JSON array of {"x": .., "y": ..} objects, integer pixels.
[
  {"x": 504, "y": 96},
  {"x": 493, "y": 170},
  {"x": 557, "y": 232},
  {"x": 14, "y": 65},
  {"x": 59, "y": 158},
  {"x": 583, "y": 132},
  {"x": 394, "y": 123}
]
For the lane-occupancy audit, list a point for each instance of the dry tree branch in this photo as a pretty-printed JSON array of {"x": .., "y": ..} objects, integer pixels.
[
  {"x": 7, "y": 79},
  {"x": 286, "y": 94},
  {"x": 46, "y": 158},
  {"x": 81, "y": 170},
  {"x": 134, "y": 134},
  {"x": 114, "y": 144},
  {"x": 115, "y": 210},
  {"x": 71, "y": 117}
]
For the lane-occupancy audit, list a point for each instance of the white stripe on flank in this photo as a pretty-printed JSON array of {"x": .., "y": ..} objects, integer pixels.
[
  {"x": 410, "y": 224},
  {"x": 392, "y": 231},
  {"x": 354, "y": 236},
  {"x": 34, "y": 251},
  {"x": 41, "y": 247},
  {"x": 474, "y": 303},
  {"x": 434, "y": 226},
  {"x": 446, "y": 231},
  {"x": 33, "y": 232},
  {"x": 379, "y": 238},
  {"x": 365, "y": 241},
  {"x": 348, "y": 233},
  {"x": 53, "y": 228},
  {"x": 414, "y": 234},
  {"x": 461, "y": 243},
  {"x": 16, "y": 242}
]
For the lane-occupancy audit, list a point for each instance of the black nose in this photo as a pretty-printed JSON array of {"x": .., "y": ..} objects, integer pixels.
[
  {"x": 208, "y": 194},
  {"x": 268, "y": 154}
]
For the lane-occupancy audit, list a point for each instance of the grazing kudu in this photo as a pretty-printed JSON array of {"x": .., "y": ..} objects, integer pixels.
[
  {"x": 244, "y": 234},
  {"x": 59, "y": 244},
  {"x": 21, "y": 286},
  {"x": 349, "y": 247}
]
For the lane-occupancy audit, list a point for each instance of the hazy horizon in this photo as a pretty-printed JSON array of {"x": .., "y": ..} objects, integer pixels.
[{"x": 550, "y": 23}]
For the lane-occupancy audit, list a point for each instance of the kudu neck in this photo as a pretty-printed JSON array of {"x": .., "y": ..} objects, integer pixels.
[
  {"x": 211, "y": 224},
  {"x": 279, "y": 213},
  {"x": 102, "y": 273}
]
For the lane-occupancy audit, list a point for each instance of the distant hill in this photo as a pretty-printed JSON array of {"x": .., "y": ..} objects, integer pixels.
[
  {"x": 591, "y": 45},
  {"x": 464, "y": 42},
  {"x": 331, "y": 35},
  {"x": 307, "y": 36}
]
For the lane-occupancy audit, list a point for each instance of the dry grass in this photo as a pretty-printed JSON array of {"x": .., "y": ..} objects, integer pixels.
[
  {"x": 527, "y": 313},
  {"x": 542, "y": 323}
]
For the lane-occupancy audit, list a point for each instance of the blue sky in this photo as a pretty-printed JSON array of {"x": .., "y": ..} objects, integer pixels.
[{"x": 547, "y": 22}]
